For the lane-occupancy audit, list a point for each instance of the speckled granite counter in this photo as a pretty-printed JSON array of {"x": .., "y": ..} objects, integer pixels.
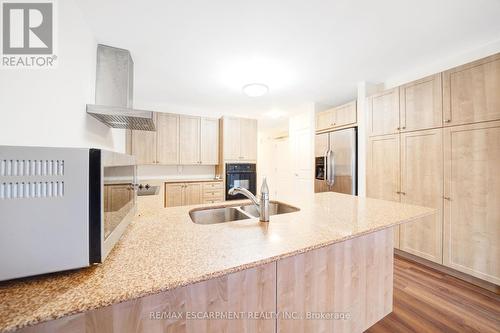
[{"x": 163, "y": 249}]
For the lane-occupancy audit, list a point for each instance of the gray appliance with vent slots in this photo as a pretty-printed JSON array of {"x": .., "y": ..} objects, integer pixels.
[{"x": 57, "y": 210}]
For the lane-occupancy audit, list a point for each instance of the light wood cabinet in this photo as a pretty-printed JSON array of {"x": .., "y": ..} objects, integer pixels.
[
  {"x": 471, "y": 92},
  {"x": 167, "y": 138},
  {"x": 248, "y": 139},
  {"x": 239, "y": 139},
  {"x": 209, "y": 146},
  {"x": 189, "y": 140},
  {"x": 472, "y": 200},
  {"x": 383, "y": 113},
  {"x": 178, "y": 140},
  {"x": 352, "y": 278},
  {"x": 193, "y": 193},
  {"x": 144, "y": 147},
  {"x": 383, "y": 176},
  {"x": 325, "y": 120},
  {"x": 422, "y": 184},
  {"x": 339, "y": 116},
  {"x": 421, "y": 104},
  {"x": 174, "y": 195}
]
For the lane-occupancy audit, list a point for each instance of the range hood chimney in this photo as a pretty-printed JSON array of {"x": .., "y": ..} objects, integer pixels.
[{"x": 114, "y": 90}]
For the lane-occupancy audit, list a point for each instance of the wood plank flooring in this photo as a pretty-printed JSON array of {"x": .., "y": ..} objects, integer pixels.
[{"x": 426, "y": 300}]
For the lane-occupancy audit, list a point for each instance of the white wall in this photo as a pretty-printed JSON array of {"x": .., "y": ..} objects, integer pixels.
[
  {"x": 46, "y": 107},
  {"x": 442, "y": 64}
]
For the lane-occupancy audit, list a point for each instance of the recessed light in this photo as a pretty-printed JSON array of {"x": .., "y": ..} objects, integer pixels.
[{"x": 255, "y": 89}]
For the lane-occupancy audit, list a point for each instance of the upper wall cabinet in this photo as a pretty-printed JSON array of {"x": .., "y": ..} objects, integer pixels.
[
  {"x": 421, "y": 104},
  {"x": 339, "y": 116},
  {"x": 168, "y": 138},
  {"x": 178, "y": 140},
  {"x": 209, "y": 146},
  {"x": 383, "y": 112},
  {"x": 471, "y": 93},
  {"x": 189, "y": 140},
  {"x": 240, "y": 139},
  {"x": 143, "y": 146}
]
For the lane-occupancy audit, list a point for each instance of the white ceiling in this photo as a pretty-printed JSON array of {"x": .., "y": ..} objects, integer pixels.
[{"x": 195, "y": 55}]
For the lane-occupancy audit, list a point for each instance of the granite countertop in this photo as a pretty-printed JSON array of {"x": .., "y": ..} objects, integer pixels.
[{"x": 162, "y": 249}]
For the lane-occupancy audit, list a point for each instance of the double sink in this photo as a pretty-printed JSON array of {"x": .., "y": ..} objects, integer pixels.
[{"x": 236, "y": 213}]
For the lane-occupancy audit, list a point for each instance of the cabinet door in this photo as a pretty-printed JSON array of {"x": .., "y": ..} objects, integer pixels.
[
  {"x": 209, "y": 147},
  {"x": 119, "y": 196},
  {"x": 174, "y": 194},
  {"x": 231, "y": 138},
  {"x": 325, "y": 120},
  {"x": 192, "y": 194},
  {"x": 383, "y": 113},
  {"x": 422, "y": 184},
  {"x": 471, "y": 92},
  {"x": 421, "y": 104},
  {"x": 383, "y": 176},
  {"x": 345, "y": 114},
  {"x": 472, "y": 200},
  {"x": 144, "y": 147},
  {"x": 168, "y": 138},
  {"x": 248, "y": 139},
  {"x": 189, "y": 140}
]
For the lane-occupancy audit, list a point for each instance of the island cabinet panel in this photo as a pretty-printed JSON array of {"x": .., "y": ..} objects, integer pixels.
[
  {"x": 472, "y": 200},
  {"x": 182, "y": 310},
  {"x": 352, "y": 280},
  {"x": 422, "y": 184},
  {"x": 383, "y": 112},
  {"x": 383, "y": 171},
  {"x": 470, "y": 92},
  {"x": 421, "y": 104}
]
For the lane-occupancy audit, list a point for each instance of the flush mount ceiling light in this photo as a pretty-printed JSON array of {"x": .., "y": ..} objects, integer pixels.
[{"x": 255, "y": 89}]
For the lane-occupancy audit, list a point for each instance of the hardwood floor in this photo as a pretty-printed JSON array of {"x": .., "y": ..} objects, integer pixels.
[{"x": 426, "y": 300}]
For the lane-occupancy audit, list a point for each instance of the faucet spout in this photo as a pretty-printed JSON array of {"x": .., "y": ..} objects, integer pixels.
[{"x": 263, "y": 205}]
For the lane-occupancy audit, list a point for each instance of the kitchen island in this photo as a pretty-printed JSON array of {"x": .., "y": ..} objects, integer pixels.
[{"x": 324, "y": 267}]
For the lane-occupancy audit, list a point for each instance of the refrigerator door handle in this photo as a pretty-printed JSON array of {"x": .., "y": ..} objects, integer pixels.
[
  {"x": 325, "y": 166},
  {"x": 330, "y": 178}
]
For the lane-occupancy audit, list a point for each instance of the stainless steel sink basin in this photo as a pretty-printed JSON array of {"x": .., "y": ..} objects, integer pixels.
[
  {"x": 275, "y": 208},
  {"x": 217, "y": 215},
  {"x": 236, "y": 213}
]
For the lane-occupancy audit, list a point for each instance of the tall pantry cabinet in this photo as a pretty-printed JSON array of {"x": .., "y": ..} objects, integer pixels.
[{"x": 440, "y": 147}]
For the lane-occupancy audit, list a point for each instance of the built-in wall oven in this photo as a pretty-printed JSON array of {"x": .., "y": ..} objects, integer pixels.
[
  {"x": 61, "y": 208},
  {"x": 240, "y": 175}
]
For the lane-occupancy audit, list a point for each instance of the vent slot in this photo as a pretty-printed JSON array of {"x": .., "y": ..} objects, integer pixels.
[
  {"x": 27, "y": 190},
  {"x": 18, "y": 168}
]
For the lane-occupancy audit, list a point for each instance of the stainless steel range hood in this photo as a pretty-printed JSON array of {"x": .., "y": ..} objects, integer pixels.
[{"x": 114, "y": 92}]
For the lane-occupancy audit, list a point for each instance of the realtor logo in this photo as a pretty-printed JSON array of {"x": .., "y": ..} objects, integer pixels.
[{"x": 28, "y": 34}]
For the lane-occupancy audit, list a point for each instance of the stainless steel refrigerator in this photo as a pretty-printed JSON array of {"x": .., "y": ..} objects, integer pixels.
[{"x": 336, "y": 162}]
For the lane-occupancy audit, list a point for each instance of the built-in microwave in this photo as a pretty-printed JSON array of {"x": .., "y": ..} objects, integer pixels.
[{"x": 62, "y": 208}]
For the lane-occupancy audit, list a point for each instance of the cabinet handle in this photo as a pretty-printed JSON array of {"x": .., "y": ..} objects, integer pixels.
[
  {"x": 399, "y": 128},
  {"x": 447, "y": 198},
  {"x": 447, "y": 121},
  {"x": 404, "y": 127},
  {"x": 399, "y": 192}
]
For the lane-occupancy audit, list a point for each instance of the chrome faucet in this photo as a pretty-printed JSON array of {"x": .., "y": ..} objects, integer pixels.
[{"x": 263, "y": 205}]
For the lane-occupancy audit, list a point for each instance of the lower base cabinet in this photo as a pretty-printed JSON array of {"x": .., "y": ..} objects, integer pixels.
[
  {"x": 344, "y": 287},
  {"x": 193, "y": 193}
]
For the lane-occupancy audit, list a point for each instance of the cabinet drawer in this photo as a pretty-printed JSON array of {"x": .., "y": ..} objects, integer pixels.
[
  {"x": 215, "y": 200},
  {"x": 213, "y": 194},
  {"x": 212, "y": 186}
]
